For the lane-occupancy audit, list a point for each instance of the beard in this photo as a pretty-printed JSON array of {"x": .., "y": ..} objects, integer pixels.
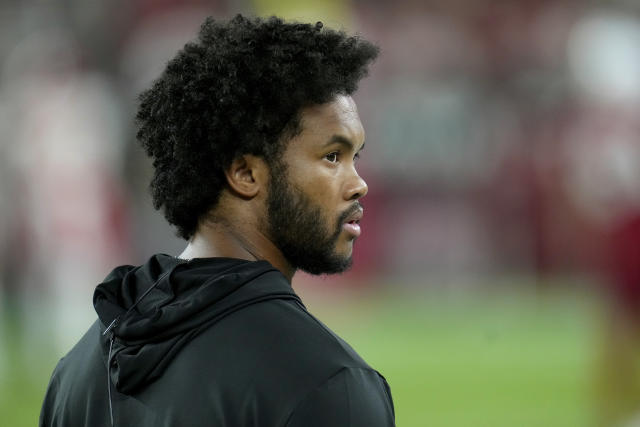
[{"x": 299, "y": 229}]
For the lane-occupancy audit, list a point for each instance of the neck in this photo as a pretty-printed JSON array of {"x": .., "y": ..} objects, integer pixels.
[{"x": 220, "y": 239}]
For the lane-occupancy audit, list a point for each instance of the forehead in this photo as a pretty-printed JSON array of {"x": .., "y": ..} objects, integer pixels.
[{"x": 338, "y": 117}]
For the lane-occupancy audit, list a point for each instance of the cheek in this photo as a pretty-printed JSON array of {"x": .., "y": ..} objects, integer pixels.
[
  {"x": 321, "y": 202},
  {"x": 318, "y": 182},
  {"x": 318, "y": 185},
  {"x": 323, "y": 197}
]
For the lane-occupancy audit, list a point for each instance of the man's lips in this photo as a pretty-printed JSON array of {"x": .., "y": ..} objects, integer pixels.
[{"x": 352, "y": 223}]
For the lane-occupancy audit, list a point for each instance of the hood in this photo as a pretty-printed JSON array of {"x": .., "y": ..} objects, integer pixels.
[{"x": 148, "y": 313}]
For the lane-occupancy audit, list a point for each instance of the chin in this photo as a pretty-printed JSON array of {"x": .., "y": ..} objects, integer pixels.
[{"x": 336, "y": 265}]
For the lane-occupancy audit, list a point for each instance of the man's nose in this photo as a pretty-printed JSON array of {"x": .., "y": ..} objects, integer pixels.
[{"x": 357, "y": 188}]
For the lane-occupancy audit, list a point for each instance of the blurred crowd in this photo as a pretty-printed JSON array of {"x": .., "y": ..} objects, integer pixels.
[{"x": 502, "y": 138}]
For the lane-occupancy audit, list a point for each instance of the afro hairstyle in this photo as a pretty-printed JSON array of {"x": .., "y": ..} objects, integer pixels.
[{"x": 237, "y": 89}]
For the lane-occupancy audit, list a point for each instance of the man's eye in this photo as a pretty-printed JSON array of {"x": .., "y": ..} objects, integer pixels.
[
  {"x": 332, "y": 157},
  {"x": 356, "y": 157}
]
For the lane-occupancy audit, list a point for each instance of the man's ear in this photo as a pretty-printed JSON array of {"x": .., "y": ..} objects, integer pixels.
[{"x": 247, "y": 175}]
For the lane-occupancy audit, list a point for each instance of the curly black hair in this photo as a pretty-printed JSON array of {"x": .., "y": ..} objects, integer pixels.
[{"x": 237, "y": 90}]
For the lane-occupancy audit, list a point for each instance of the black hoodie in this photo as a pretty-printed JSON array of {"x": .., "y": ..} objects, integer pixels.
[{"x": 210, "y": 342}]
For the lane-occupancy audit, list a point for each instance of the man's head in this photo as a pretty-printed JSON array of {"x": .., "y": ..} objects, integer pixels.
[
  {"x": 313, "y": 210},
  {"x": 261, "y": 88}
]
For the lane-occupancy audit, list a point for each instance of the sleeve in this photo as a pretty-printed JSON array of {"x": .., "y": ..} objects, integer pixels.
[{"x": 354, "y": 397}]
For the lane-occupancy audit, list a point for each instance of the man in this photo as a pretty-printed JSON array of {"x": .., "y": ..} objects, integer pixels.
[{"x": 254, "y": 139}]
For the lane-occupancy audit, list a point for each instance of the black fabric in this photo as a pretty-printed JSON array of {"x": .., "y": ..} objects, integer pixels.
[{"x": 210, "y": 342}]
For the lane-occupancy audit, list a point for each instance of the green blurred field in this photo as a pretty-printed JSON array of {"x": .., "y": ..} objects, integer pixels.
[
  {"x": 491, "y": 360},
  {"x": 468, "y": 360}
]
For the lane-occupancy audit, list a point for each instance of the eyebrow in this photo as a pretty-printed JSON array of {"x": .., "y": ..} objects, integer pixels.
[{"x": 339, "y": 139}]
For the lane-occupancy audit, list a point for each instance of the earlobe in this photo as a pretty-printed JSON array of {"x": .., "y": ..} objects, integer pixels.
[{"x": 245, "y": 175}]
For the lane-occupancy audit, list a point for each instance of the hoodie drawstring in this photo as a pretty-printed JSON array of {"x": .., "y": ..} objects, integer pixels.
[{"x": 111, "y": 339}]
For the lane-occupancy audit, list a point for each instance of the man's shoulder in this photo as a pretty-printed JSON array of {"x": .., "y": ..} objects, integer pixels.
[
  {"x": 271, "y": 342},
  {"x": 279, "y": 335},
  {"x": 272, "y": 353}
]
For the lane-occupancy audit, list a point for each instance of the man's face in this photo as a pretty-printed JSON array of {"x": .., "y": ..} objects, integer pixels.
[{"x": 313, "y": 209}]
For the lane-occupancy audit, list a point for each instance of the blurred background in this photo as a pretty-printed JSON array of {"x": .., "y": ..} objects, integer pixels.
[{"x": 497, "y": 281}]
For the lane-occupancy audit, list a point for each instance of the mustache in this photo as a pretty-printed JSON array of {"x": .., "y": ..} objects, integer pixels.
[{"x": 355, "y": 207}]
